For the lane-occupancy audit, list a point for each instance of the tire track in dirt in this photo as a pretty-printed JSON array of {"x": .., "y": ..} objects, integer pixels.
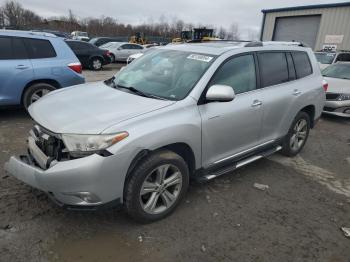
[{"x": 316, "y": 173}]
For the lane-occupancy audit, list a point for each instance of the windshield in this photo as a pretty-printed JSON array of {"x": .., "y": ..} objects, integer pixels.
[
  {"x": 165, "y": 73},
  {"x": 325, "y": 58},
  {"x": 337, "y": 71}
]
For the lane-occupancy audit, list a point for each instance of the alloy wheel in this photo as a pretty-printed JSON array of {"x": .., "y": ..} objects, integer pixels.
[
  {"x": 96, "y": 64},
  {"x": 299, "y": 135},
  {"x": 160, "y": 189},
  {"x": 38, "y": 94}
]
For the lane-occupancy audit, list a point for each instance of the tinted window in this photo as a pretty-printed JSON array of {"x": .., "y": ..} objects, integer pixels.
[
  {"x": 273, "y": 68},
  {"x": 19, "y": 49},
  {"x": 137, "y": 47},
  {"x": 239, "y": 73},
  {"x": 291, "y": 69},
  {"x": 343, "y": 57},
  {"x": 5, "y": 48},
  {"x": 12, "y": 48},
  {"x": 127, "y": 46},
  {"x": 302, "y": 64},
  {"x": 39, "y": 48}
]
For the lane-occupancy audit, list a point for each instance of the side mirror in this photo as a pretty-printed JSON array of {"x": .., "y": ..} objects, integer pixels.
[
  {"x": 119, "y": 48},
  {"x": 220, "y": 93}
]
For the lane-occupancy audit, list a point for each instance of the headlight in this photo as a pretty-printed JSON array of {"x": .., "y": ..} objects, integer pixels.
[
  {"x": 344, "y": 97},
  {"x": 91, "y": 143}
]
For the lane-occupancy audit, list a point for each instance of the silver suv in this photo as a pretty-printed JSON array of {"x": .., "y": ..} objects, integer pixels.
[{"x": 180, "y": 112}]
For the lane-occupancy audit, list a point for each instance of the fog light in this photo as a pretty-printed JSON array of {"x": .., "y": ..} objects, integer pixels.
[
  {"x": 87, "y": 197},
  {"x": 347, "y": 111}
]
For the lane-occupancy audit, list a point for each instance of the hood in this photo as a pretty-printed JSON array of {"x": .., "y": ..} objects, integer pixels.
[
  {"x": 90, "y": 108},
  {"x": 338, "y": 85}
]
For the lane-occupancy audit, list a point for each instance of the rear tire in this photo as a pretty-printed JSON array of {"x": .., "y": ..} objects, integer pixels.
[
  {"x": 96, "y": 63},
  {"x": 297, "y": 135},
  {"x": 156, "y": 186},
  {"x": 35, "y": 92}
]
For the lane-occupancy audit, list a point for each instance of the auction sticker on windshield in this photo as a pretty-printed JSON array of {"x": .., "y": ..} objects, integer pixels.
[{"x": 198, "y": 57}]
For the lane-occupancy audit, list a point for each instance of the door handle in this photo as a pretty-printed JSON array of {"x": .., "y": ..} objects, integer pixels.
[
  {"x": 296, "y": 92},
  {"x": 256, "y": 103},
  {"x": 22, "y": 67}
]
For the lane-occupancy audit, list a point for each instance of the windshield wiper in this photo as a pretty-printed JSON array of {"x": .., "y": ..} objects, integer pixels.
[{"x": 136, "y": 91}]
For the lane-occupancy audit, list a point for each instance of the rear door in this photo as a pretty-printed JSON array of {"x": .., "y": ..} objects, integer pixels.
[
  {"x": 279, "y": 93},
  {"x": 230, "y": 128},
  {"x": 15, "y": 69}
]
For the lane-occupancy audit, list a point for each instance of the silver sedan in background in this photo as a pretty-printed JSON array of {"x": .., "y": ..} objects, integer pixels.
[
  {"x": 120, "y": 51},
  {"x": 338, "y": 93}
]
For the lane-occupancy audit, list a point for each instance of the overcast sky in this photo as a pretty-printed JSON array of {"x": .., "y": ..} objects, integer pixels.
[{"x": 247, "y": 13}]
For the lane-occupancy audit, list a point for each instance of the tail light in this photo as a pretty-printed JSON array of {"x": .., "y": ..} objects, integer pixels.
[
  {"x": 76, "y": 67},
  {"x": 325, "y": 85}
]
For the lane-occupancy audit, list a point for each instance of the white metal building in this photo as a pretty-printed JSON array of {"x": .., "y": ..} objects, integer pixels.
[{"x": 318, "y": 26}]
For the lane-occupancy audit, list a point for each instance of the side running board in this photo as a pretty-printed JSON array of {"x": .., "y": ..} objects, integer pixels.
[{"x": 239, "y": 164}]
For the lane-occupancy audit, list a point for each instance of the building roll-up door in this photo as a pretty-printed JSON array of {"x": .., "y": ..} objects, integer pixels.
[{"x": 297, "y": 28}]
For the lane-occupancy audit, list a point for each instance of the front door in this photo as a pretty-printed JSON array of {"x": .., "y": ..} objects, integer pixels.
[{"x": 230, "y": 128}]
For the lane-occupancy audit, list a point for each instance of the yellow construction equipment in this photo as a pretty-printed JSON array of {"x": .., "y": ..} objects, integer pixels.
[{"x": 138, "y": 38}]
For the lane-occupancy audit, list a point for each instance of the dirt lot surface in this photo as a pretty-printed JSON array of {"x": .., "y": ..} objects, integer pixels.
[{"x": 298, "y": 218}]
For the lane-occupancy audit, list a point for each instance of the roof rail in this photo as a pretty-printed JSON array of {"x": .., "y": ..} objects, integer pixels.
[
  {"x": 285, "y": 43},
  {"x": 254, "y": 44}
]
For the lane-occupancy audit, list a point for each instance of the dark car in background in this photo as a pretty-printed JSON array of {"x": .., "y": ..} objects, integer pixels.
[
  {"x": 90, "y": 56},
  {"x": 98, "y": 41}
]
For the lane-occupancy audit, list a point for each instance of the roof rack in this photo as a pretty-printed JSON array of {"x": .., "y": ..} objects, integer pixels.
[{"x": 259, "y": 43}]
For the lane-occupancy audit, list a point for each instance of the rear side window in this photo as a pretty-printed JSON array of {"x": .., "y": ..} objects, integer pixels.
[
  {"x": 302, "y": 64},
  {"x": 40, "y": 48},
  {"x": 238, "y": 73},
  {"x": 12, "y": 48},
  {"x": 273, "y": 67},
  {"x": 5, "y": 48}
]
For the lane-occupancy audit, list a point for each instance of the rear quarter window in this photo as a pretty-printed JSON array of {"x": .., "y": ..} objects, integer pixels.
[
  {"x": 302, "y": 64},
  {"x": 40, "y": 48}
]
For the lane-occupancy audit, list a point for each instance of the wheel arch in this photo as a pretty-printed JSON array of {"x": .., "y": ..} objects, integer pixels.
[
  {"x": 310, "y": 110},
  {"x": 182, "y": 149},
  {"x": 52, "y": 82}
]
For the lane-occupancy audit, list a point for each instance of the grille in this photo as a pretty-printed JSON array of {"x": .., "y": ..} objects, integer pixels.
[
  {"x": 332, "y": 96},
  {"x": 50, "y": 144}
]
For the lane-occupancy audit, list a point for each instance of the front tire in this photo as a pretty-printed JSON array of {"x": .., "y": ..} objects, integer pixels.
[
  {"x": 297, "y": 135},
  {"x": 156, "y": 186},
  {"x": 35, "y": 92}
]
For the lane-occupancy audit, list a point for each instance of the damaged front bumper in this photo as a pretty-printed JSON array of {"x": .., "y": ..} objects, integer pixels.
[{"x": 85, "y": 182}]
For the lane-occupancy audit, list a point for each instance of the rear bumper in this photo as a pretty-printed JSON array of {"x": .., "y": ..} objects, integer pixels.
[{"x": 338, "y": 108}]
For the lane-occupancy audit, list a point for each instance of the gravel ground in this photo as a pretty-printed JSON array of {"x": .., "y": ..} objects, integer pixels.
[{"x": 298, "y": 218}]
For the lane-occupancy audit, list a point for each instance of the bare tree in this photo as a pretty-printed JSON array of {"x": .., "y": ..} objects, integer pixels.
[
  {"x": 12, "y": 13},
  {"x": 221, "y": 33},
  {"x": 233, "y": 32},
  {"x": 2, "y": 18}
]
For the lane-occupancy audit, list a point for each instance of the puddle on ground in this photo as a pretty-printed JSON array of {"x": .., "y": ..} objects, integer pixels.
[{"x": 100, "y": 247}]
